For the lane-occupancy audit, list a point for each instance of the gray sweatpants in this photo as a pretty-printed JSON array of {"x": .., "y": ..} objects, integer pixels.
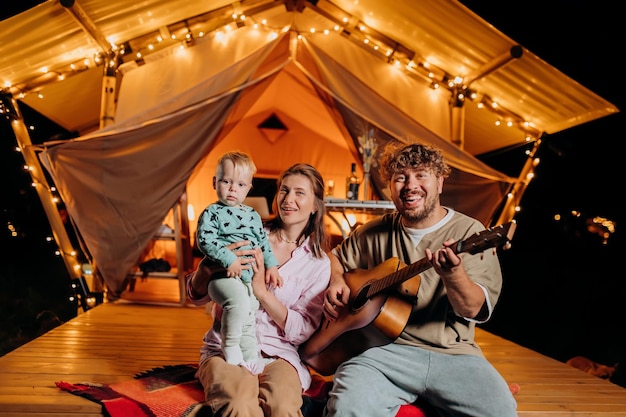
[
  {"x": 381, "y": 379},
  {"x": 239, "y": 305}
]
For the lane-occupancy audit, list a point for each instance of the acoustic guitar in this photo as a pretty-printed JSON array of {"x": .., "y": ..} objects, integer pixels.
[{"x": 380, "y": 303}]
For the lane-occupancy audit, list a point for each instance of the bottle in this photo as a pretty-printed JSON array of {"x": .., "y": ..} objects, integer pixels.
[
  {"x": 330, "y": 188},
  {"x": 352, "y": 184}
]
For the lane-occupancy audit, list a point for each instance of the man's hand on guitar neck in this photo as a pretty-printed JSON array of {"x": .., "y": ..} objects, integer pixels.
[
  {"x": 444, "y": 260},
  {"x": 338, "y": 292},
  {"x": 467, "y": 297}
]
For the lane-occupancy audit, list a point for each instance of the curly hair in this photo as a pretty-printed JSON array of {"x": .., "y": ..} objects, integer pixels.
[{"x": 398, "y": 157}]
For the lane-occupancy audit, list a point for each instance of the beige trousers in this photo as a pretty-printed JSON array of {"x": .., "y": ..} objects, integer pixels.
[{"x": 232, "y": 391}]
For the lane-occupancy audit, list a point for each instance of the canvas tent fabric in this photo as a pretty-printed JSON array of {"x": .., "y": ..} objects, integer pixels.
[
  {"x": 306, "y": 64},
  {"x": 119, "y": 182},
  {"x": 45, "y": 42}
]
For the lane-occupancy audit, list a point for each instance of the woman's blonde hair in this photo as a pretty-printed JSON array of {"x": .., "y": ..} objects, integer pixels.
[{"x": 315, "y": 226}]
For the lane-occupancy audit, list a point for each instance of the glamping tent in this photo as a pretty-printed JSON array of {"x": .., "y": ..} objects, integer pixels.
[{"x": 286, "y": 81}]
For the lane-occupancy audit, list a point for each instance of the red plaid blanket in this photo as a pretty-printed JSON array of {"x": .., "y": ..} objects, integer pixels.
[{"x": 173, "y": 391}]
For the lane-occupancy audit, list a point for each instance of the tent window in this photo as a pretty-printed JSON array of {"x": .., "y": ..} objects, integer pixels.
[
  {"x": 264, "y": 187},
  {"x": 272, "y": 128}
]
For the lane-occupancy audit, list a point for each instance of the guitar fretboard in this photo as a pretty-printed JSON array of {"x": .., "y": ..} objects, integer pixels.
[
  {"x": 397, "y": 277},
  {"x": 489, "y": 238}
]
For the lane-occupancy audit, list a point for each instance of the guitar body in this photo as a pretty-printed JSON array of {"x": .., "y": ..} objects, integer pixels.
[
  {"x": 380, "y": 304},
  {"x": 360, "y": 326}
]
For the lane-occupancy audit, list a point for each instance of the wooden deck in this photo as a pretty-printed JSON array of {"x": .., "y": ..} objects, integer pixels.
[{"x": 114, "y": 341}]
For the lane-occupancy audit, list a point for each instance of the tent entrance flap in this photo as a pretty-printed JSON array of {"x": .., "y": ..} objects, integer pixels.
[{"x": 186, "y": 105}]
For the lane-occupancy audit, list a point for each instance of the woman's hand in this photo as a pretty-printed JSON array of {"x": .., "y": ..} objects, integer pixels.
[
  {"x": 267, "y": 300},
  {"x": 201, "y": 277},
  {"x": 258, "y": 279}
]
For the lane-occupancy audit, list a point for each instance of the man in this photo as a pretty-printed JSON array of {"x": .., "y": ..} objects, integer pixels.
[{"x": 435, "y": 356}]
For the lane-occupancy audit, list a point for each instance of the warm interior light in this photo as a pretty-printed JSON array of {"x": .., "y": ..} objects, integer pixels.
[{"x": 191, "y": 213}]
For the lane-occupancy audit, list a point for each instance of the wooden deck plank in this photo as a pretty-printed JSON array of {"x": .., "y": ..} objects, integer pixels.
[{"x": 115, "y": 341}]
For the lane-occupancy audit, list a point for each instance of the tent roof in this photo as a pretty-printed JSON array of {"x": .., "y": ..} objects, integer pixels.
[
  {"x": 131, "y": 172},
  {"x": 331, "y": 70},
  {"x": 532, "y": 95}
]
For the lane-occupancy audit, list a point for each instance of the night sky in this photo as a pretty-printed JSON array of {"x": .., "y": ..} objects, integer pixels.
[{"x": 561, "y": 295}]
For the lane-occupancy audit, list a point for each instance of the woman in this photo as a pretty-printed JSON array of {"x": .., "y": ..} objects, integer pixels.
[{"x": 288, "y": 315}]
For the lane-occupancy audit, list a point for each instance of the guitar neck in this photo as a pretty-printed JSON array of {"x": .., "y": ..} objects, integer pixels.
[
  {"x": 375, "y": 321},
  {"x": 398, "y": 277},
  {"x": 489, "y": 238}
]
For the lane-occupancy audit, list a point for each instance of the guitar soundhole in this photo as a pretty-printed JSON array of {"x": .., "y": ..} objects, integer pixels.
[{"x": 360, "y": 299}]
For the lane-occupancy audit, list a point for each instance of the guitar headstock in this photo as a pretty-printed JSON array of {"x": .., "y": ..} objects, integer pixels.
[{"x": 494, "y": 237}]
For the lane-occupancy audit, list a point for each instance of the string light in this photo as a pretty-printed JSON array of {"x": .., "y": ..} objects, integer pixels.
[
  {"x": 218, "y": 23},
  {"x": 378, "y": 44},
  {"x": 71, "y": 258}
]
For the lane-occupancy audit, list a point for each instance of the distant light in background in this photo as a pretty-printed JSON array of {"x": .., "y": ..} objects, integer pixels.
[
  {"x": 597, "y": 225},
  {"x": 6, "y": 106},
  {"x": 601, "y": 227}
]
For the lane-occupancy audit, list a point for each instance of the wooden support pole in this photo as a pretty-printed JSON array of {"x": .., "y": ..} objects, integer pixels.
[
  {"x": 514, "y": 197},
  {"x": 68, "y": 253}
]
